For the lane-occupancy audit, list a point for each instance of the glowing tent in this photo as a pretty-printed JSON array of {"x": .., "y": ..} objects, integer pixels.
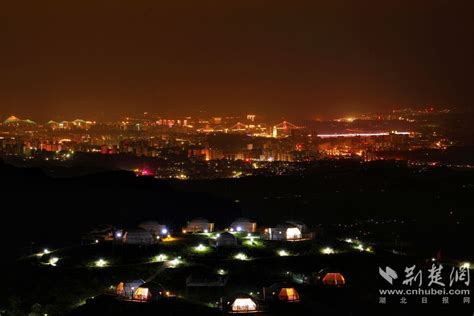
[
  {"x": 289, "y": 294},
  {"x": 293, "y": 233},
  {"x": 241, "y": 303},
  {"x": 150, "y": 291},
  {"x": 282, "y": 292},
  {"x": 334, "y": 279},
  {"x": 142, "y": 294},
  {"x": 290, "y": 230},
  {"x": 244, "y": 305}
]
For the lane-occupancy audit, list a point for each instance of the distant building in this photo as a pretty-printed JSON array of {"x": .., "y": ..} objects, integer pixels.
[
  {"x": 53, "y": 125},
  {"x": 16, "y": 122}
]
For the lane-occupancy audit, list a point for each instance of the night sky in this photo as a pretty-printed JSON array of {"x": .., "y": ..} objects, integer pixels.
[{"x": 92, "y": 59}]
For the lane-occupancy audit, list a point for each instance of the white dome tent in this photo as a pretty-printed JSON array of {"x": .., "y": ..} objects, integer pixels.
[{"x": 138, "y": 237}]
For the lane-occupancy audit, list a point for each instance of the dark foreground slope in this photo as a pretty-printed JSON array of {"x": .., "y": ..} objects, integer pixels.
[{"x": 38, "y": 209}]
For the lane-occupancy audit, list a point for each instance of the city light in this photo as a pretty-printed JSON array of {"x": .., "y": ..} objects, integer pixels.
[
  {"x": 221, "y": 272},
  {"x": 100, "y": 263},
  {"x": 360, "y": 134},
  {"x": 349, "y": 240},
  {"x": 283, "y": 253},
  {"x": 164, "y": 231}
]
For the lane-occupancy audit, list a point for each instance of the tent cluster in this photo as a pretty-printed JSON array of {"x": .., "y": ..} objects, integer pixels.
[
  {"x": 139, "y": 290},
  {"x": 146, "y": 233},
  {"x": 127, "y": 288},
  {"x": 151, "y": 232},
  {"x": 276, "y": 293},
  {"x": 290, "y": 230}
]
